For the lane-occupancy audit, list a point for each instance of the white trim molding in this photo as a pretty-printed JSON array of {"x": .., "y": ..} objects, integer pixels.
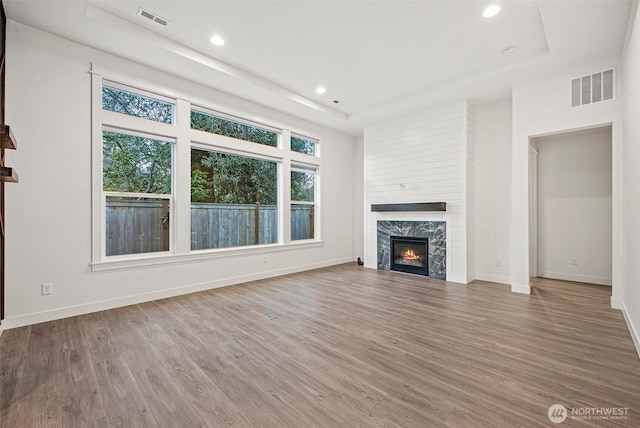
[
  {"x": 616, "y": 304},
  {"x": 498, "y": 279},
  {"x": 576, "y": 278},
  {"x": 635, "y": 334},
  {"x": 522, "y": 289},
  {"x": 152, "y": 259}
]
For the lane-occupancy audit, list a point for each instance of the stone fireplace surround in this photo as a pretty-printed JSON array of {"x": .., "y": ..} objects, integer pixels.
[{"x": 435, "y": 231}]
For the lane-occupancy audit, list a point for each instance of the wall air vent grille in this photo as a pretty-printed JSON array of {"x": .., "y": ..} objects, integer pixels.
[
  {"x": 593, "y": 88},
  {"x": 153, "y": 17}
]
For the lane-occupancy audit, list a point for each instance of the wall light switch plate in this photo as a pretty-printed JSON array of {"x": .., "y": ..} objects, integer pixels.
[{"x": 47, "y": 289}]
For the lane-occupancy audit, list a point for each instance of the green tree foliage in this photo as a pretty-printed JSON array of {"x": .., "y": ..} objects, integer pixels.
[
  {"x": 200, "y": 186},
  {"x": 135, "y": 164},
  {"x": 130, "y": 163},
  {"x": 143, "y": 165},
  {"x": 303, "y": 145},
  {"x": 241, "y": 131},
  {"x": 229, "y": 179},
  {"x": 136, "y": 105},
  {"x": 302, "y": 186}
]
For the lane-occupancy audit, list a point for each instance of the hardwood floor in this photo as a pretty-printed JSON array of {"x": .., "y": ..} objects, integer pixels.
[{"x": 349, "y": 347}]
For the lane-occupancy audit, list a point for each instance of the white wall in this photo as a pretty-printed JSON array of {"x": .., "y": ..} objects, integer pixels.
[
  {"x": 358, "y": 200},
  {"x": 543, "y": 108},
  {"x": 493, "y": 191},
  {"x": 574, "y": 206},
  {"x": 421, "y": 158},
  {"x": 631, "y": 275},
  {"x": 48, "y": 214}
]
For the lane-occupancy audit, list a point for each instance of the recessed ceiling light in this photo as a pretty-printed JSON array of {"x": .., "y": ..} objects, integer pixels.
[
  {"x": 320, "y": 90},
  {"x": 217, "y": 40},
  {"x": 490, "y": 11},
  {"x": 509, "y": 50}
]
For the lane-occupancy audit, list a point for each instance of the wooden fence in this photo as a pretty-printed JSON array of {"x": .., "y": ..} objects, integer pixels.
[
  {"x": 134, "y": 227},
  {"x": 222, "y": 225},
  {"x": 137, "y": 226}
]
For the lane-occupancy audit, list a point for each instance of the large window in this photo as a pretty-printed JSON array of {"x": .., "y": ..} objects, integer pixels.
[
  {"x": 136, "y": 176},
  {"x": 172, "y": 178},
  {"x": 234, "y": 200}
]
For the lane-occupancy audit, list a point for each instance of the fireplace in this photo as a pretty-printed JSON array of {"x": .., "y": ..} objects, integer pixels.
[
  {"x": 434, "y": 231},
  {"x": 410, "y": 255}
]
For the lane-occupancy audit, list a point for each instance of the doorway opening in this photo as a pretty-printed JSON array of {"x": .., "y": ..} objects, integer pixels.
[{"x": 571, "y": 206}]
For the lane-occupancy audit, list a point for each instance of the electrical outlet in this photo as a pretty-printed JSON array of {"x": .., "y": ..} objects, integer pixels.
[
  {"x": 47, "y": 289},
  {"x": 264, "y": 259},
  {"x": 498, "y": 262},
  {"x": 574, "y": 261},
  {"x": 635, "y": 303}
]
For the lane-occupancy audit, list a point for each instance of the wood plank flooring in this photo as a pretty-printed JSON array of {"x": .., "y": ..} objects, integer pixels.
[{"x": 350, "y": 347}]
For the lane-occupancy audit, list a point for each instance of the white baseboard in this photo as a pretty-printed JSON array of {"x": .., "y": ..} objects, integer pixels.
[
  {"x": 616, "y": 304},
  {"x": 500, "y": 279},
  {"x": 515, "y": 288},
  {"x": 577, "y": 278},
  {"x": 1, "y": 329},
  {"x": 460, "y": 279},
  {"x": 632, "y": 329},
  {"x": 71, "y": 311},
  {"x": 520, "y": 288}
]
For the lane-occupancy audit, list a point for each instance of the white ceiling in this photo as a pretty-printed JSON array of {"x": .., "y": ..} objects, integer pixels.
[{"x": 377, "y": 58}]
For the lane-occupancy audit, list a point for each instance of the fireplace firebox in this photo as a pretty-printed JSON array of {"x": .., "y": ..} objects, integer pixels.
[{"x": 410, "y": 255}]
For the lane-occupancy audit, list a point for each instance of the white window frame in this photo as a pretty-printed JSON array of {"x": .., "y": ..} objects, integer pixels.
[
  {"x": 163, "y": 196},
  {"x": 184, "y": 138},
  {"x": 314, "y": 170}
]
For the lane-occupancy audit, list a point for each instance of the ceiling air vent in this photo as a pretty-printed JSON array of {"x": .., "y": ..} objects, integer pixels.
[
  {"x": 153, "y": 17},
  {"x": 593, "y": 88}
]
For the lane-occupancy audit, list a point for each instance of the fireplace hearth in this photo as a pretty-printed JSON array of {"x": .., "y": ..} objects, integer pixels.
[{"x": 410, "y": 255}]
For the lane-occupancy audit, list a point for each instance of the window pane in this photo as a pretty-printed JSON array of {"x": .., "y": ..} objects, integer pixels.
[
  {"x": 233, "y": 200},
  {"x": 302, "y": 186},
  {"x": 137, "y": 105},
  {"x": 135, "y": 164},
  {"x": 136, "y": 225},
  {"x": 302, "y": 222},
  {"x": 303, "y": 145},
  {"x": 241, "y": 131}
]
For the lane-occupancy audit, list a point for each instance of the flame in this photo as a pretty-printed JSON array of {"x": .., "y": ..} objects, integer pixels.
[{"x": 409, "y": 254}]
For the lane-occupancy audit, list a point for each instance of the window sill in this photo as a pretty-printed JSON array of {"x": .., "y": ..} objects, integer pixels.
[{"x": 165, "y": 258}]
